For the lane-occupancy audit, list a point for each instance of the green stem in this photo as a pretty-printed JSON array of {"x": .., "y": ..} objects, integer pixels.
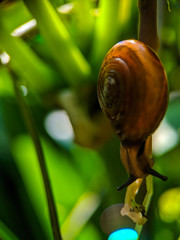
[
  {"x": 25, "y": 62},
  {"x": 148, "y": 23},
  {"x": 105, "y": 30},
  {"x": 6, "y": 233},
  {"x": 31, "y": 126},
  {"x": 147, "y": 200},
  {"x": 177, "y": 27},
  {"x": 148, "y": 35},
  {"x": 66, "y": 54},
  {"x": 84, "y": 20},
  {"x": 125, "y": 12}
]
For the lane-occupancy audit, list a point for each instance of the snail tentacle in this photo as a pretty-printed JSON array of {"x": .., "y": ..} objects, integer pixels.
[
  {"x": 156, "y": 174},
  {"x": 130, "y": 180}
]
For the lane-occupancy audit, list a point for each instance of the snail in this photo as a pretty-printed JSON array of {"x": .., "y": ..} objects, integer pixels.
[{"x": 133, "y": 93}]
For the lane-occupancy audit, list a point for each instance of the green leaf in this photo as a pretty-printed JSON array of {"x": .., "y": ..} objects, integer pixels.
[{"x": 6, "y": 233}]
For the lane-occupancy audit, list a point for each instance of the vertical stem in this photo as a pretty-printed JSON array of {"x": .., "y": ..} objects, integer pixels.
[
  {"x": 149, "y": 189},
  {"x": 177, "y": 27},
  {"x": 105, "y": 30},
  {"x": 148, "y": 23},
  {"x": 26, "y": 113},
  {"x": 147, "y": 200},
  {"x": 84, "y": 22},
  {"x": 148, "y": 35}
]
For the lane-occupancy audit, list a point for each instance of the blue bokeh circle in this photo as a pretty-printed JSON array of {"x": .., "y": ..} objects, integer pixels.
[{"x": 124, "y": 234}]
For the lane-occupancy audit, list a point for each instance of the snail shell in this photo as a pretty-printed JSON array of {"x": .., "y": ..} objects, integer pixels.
[{"x": 132, "y": 90}]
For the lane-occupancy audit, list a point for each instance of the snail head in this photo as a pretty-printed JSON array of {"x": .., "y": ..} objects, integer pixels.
[{"x": 138, "y": 162}]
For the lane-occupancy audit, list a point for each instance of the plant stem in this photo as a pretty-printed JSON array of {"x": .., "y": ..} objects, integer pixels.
[
  {"x": 105, "y": 30},
  {"x": 125, "y": 12},
  {"x": 148, "y": 35},
  {"x": 66, "y": 54},
  {"x": 84, "y": 22},
  {"x": 147, "y": 200},
  {"x": 31, "y": 126},
  {"x": 25, "y": 62},
  {"x": 6, "y": 233},
  {"x": 148, "y": 23}
]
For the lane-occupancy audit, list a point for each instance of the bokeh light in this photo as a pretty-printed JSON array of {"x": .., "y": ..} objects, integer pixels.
[
  {"x": 24, "y": 90},
  {"x": 164, "y": 139},
  {"x": 124, "y": 234},
  {"x": 18, "y": 32},
  {"x": 4, "y": 58},
  {"x": 112, "y": 220},
  {"x": 164, "y": 233},
  {"x": 169, "y": 205},
  {"x": 59, "y": 127}
]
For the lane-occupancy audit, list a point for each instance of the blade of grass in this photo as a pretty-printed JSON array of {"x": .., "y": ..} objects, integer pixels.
[
  {"x": 125, "y": 12},
  {"x": 24, "y": 61},
  {"x": 84, "y": 22},
  {"x": 177, "y": 27},
  {"x": 26, "y": 113},
  {"x": 15, "y": 15},
  {"x": 80, "y": 214},
  {"x": 146, "y": 201},
  {"x": 6, "y": 233},
  {"x": 105, "y": 30},
  {"x": 66, "y": 54}
]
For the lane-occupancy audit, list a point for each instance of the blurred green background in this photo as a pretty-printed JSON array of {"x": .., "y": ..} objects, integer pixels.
[{"x": 56, "y": 63}]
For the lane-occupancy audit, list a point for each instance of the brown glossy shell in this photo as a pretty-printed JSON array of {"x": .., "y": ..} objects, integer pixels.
[{"x": 132, "y": 90}]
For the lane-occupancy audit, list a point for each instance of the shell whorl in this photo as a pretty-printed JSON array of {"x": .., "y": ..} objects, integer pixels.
[{"x": 132, "y": 90}]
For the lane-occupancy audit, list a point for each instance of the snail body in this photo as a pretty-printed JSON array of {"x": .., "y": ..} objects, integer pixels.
[{"x": 133, "y": 93}]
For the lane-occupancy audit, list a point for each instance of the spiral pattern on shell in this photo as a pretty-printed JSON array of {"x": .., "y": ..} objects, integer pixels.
[{"x": 132, "y": 90}]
